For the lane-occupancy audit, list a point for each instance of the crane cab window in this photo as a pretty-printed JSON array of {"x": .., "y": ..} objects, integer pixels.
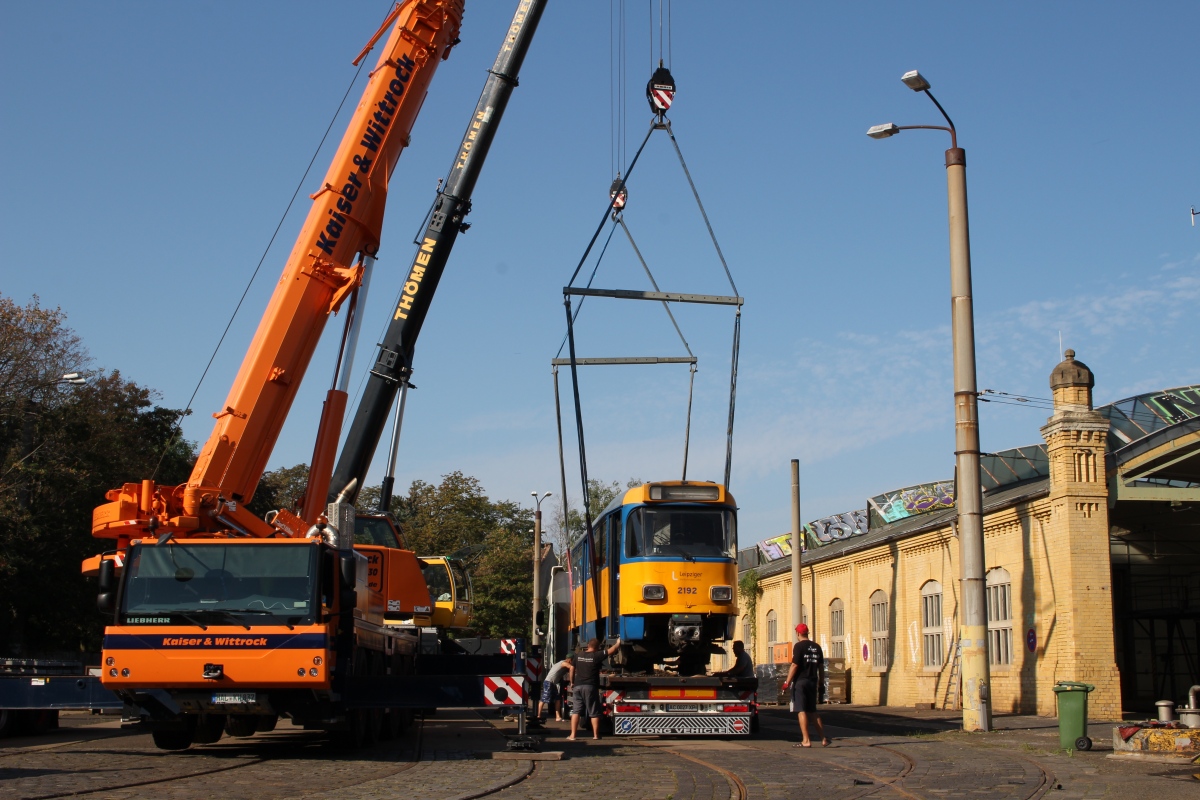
[
  {"x": 437, "y": 578},
  {"x": 376, "y": 531},
  {"x": 462, "y": 584}
]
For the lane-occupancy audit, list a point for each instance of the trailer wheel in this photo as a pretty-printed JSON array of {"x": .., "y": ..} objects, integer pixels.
[{"x": 172, "y": 739}]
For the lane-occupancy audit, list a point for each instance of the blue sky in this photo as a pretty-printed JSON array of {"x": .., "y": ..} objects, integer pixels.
[{"x": 150, "y": 148}]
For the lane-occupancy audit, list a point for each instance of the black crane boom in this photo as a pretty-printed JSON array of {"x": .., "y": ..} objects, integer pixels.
[{"x": 452, "y": 204}]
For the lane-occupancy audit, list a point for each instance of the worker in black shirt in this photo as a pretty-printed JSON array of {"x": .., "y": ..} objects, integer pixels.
[
  {"x": 585, "y": 681},
  {"x": 742, "y": 667},
  {"x": 805, "y": 676}
]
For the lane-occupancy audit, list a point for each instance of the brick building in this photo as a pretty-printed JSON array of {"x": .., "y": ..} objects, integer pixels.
[{"x": 1092, "y": 547}]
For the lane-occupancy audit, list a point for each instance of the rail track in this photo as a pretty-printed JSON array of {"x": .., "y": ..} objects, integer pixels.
[{"x": 94, "y": 765}]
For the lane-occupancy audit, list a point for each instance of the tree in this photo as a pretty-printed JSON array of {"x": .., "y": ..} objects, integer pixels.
[
  {"x": 61, "y": 448},
  {"x": 749, "y": 591},
  {"x": 600, "y": 494},
  {"x": 439, "y": 519},
  {"x": 279, "y": 489}
]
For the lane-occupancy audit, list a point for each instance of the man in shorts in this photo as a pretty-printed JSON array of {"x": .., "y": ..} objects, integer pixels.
[
  {"x": 552, "y": 690},
  {"x": 805, "y": 677},
  {"x": 585, "y": 678}
]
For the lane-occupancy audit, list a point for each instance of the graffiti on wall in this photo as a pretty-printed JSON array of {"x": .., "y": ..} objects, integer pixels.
[
  {"x": 777, "y": 547},
  {"x": 836, "y": 528},
  {"x": 914, "y": 500}
]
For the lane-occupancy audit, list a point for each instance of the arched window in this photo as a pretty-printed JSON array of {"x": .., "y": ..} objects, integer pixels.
[
  {"x": 932, "y": 647},
  {"x": 999, "y": 616},
  {"x": 772, "y": 627},
  {"x": 837, "y": 628},
  {"x": 879, "y": 630}
]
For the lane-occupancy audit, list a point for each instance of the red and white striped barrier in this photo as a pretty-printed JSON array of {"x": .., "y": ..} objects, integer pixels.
[
  {"x": 504, "y": 690},
  {"x": 508, "y": 646},
  {"x": 533, "y": 668}
]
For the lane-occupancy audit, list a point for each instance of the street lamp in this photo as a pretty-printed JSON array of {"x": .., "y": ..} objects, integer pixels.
[
  {"x": 537, "y": 563},
  {"x": 969, "y": 492}
]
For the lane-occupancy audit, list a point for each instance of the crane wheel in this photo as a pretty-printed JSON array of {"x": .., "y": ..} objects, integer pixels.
[
  {"x": 175, "y": 740},
  {"x": 241, "y": 726},
  {"x": 209, "y": 728}
]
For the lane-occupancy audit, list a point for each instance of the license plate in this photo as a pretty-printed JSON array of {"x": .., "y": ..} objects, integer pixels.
[
  {"x": 683, "y": 707},
  {"x": 234, "y": 698}
]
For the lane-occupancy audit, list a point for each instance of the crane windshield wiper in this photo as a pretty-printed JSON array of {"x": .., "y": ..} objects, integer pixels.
[
  {"x": 225, "y": 615},
  {"x": 190, "y": 619},
  {"x": 289, "y": 621}
]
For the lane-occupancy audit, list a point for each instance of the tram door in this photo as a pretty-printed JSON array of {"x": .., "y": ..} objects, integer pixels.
[{"x": 614, "y": 561}]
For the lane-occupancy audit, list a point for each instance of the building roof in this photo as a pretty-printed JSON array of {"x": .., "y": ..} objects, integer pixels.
[
  {"x": 1145, "y": 420},
  {"x": 912, "y": 526}
]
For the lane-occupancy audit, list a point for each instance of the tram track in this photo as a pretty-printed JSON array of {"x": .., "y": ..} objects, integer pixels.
[{"x": 284, "y": 746}]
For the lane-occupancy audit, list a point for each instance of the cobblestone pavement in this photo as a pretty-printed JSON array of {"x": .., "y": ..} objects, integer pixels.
[{"x": 877, "y": 753}]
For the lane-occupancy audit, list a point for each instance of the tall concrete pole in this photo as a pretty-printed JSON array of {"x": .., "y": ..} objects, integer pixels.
[
  {"x": 797, "y": 598},
  {"x": 537, "y": 564},
  {"x": 537, "y": 572},
  {"x": 976, "y": 678}
]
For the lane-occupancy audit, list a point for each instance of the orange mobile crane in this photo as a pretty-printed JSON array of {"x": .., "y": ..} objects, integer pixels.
[
  {"x": 226, "y": 620},
  {"x": 223, "y": 622}
]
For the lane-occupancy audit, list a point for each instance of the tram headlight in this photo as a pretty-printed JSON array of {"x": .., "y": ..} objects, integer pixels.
[
  {"x": 654, "y": 591},
  {"x": 721, "y": 594}
]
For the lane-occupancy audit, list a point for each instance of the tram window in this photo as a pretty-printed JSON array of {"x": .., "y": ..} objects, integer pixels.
[
  {"x": 686, "y": 532},
  {"x": 577, "y": 560},
  {"x": 633, "y": 534},
  {"x": 601, "y": 538},
  {"x": 614, "y": 535}
]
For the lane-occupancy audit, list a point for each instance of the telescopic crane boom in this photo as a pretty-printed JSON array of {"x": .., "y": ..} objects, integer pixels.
[
  {"x": 339, "y": 239},
  {"x": 446, "y": 220}
]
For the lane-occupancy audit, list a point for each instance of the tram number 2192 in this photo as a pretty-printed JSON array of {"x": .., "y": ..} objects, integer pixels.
[{"x": 685, "y": 590}]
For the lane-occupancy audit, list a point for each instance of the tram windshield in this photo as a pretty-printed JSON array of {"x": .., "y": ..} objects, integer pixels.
[{"x": 686, "y": 532}]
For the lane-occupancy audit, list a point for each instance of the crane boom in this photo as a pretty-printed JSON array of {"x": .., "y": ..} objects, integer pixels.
[
  {"x": 323, "y": 269},
  {"x": 453, "y": 202}
]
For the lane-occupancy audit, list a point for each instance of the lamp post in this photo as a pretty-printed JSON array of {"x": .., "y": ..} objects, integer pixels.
[
  {"x": 24, "y": 496},
  {"x": 976, "y": 679},
  {"x": 537, "y": 563}
]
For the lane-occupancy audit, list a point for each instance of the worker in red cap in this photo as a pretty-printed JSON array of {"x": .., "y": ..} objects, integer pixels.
[{"x": 805, "y": 676}]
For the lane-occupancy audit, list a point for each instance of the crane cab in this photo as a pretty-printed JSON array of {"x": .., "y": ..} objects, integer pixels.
[{"x": 449, "y": 589}]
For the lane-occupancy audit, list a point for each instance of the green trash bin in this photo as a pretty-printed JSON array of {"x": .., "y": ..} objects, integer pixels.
[{"x": 1073, "y": 714}]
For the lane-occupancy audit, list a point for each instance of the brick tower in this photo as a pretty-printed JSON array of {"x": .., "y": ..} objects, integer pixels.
[{"x": 1080, "y": 645}]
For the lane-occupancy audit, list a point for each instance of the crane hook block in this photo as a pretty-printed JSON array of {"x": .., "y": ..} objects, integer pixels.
[
  {"x": 660, "y": 91},
  {"x": 618, "y": 193}
]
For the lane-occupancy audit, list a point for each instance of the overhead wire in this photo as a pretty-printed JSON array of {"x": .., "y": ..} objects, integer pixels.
[{"x": 299, "y": 185}]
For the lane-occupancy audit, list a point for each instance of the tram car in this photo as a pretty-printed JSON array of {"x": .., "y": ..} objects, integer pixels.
[{"x": 660, "y": 571}]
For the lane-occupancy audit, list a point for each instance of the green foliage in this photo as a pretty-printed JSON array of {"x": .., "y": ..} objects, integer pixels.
[
  {"x": 749, "y": 591},
  {"x": 279, "y": 489},
  {"x": 600, "y": 494},
  {"x": 62, "y": 447},
  {"x": 438, "y": 519}
]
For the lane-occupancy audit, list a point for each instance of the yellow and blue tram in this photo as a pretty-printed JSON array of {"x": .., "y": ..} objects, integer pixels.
[{"x": 660, "y": 571}]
